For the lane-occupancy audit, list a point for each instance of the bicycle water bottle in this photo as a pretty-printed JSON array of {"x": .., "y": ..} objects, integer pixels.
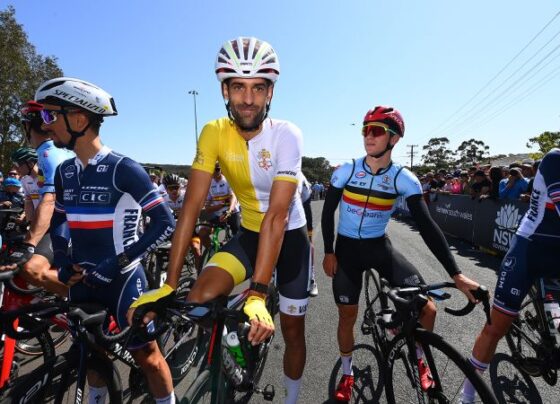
[
  {"x": 552, "y": 312},
  {"x": 233, "y": 345},
  {"x": 235, "y": 372}
]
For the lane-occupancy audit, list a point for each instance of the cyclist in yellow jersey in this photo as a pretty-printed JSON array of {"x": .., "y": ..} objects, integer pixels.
[{"x": 261, "y": 159}]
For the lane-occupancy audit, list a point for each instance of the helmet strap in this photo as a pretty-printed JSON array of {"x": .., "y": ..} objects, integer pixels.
[
  {"x": 388, "y": 147},
  {"x": 74, "y": 135}
]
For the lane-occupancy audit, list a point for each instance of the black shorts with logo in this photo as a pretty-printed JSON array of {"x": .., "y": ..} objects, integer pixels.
[
  {"x": 355, "y": 256},
  {"x": 239, "y": 255}
]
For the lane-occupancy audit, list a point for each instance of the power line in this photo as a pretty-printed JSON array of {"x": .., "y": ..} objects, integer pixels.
[
  {"x": 485, "y": 86},
  {"x": 494, "y": 99}
]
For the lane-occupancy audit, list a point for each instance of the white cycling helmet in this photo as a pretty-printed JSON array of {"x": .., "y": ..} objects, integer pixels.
[
  {"x": 247, "y": 57},
  {"x": 66, "y": 91}
]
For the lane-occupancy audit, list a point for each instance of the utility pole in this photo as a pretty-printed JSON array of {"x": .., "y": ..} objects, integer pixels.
[
  {"x": 412, "y": 153},
  {"x": 194, "y": 94}
]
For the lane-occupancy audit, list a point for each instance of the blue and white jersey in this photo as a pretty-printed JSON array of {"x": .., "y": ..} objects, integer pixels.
[
  {"x": 368, "y": 199},
  {"x": 103, "y": 204},
  {"x": 49, "y": 157},
  {"x": 542, "y": 219}
]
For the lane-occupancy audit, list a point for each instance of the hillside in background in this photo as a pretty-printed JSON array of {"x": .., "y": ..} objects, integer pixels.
[{"x": 181, "y": 170}]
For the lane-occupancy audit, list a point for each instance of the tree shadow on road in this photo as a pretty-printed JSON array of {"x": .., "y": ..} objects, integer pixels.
[
  {"x": 511, "y": 384},
  {"x": 368, "y": 380}
]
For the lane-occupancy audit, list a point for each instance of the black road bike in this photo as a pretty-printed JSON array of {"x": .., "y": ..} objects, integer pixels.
[{"x": 391, "y": 317}]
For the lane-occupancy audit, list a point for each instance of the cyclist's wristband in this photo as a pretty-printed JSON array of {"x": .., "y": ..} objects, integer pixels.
[{"x": 259, "y": 287}]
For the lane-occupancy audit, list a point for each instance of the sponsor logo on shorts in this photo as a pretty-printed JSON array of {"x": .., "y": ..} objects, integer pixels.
[
  {"x": 344, "y": 299},
  {"x": 509, "y": 263}
]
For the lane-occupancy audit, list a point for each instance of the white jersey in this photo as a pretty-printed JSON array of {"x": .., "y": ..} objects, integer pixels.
[
  {"x": 30, "y": 187},
  {"x": 220, "y": 192},
  {"x": 252, "y": 166},
  {"x": 178, "y": 203}
]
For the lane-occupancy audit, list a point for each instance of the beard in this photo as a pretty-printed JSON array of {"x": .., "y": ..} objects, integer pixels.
[{"x": 247, "y": 122}]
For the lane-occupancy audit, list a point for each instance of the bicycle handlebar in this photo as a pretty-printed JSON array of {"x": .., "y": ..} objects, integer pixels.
[
  {"x": 200, "y": 313},
  {"x": 482, "y": 295},
  {"x": 6, "y": 276},
  {"x": 418, "y": 301},
  {"x": 90, "y": 315}
]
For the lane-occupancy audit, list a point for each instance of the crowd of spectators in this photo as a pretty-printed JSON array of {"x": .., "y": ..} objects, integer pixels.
[{"x": 513, "y": 182}]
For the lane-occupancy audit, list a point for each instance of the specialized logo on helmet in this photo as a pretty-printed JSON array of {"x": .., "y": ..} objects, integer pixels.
[
  {"x": 507, "y": 221},
  {"x": 264, "y": 157},
  {"x": 80, "y": 101}
]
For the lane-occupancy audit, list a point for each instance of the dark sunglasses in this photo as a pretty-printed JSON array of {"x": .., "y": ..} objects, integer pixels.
[
  {"x": 375, "y": 129},
  {"x": 49, "y": 116},
  {"x": 173, "y": 187}
]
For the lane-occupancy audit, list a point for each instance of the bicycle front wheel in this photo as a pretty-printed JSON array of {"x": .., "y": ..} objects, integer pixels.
[
  {"x": 448, "y": 367},
  {"x": 525, "y": 338},
  {"x": 201, "y": 392},
  {"x": 65, "y": 380}
]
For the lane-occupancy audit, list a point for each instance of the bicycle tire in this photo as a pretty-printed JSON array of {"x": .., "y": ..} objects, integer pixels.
[
  {"x": 50, "y": 381},
  {"x": 34, "y": 347},
  {"x": 371, "y": 324},
  {"x": 532, "y": 357},
  {"x": 200, "y": 391},
  {"x": 44, "y": 344},
  {"x": 64, "y": 386},
  {"x": 441, "y": 357}
]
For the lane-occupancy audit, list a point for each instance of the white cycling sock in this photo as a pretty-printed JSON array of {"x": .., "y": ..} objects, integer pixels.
[
  {"x": 292, "y": 389},
  {"x": 346, "y": 364},
  {"x": 97, "y": 395},
  {"x": 469, "y": 393},
  {"x": 170, "y": 399}
]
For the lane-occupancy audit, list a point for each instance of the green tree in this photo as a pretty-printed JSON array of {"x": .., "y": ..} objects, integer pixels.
[
  {"x": 545, "y": 141},
  {"x": 22, "y": 70},
  {"x": 316, "y": 169},
  {"x": 472, "y": 152},
  {"x": 436, "y": 154}
]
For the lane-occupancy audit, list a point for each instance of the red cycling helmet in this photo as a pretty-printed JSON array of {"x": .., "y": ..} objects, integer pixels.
[
  {"x": 31, "y": 111},
  {"x": 387, "y": 115}
]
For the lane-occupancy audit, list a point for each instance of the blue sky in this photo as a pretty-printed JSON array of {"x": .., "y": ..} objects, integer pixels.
[{"x": 338, "y": 59}]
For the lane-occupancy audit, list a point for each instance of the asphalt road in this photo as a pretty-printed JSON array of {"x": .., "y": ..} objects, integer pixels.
[
  {"x": 322, "y": 349},
  {"x": 322, "y": 371}
]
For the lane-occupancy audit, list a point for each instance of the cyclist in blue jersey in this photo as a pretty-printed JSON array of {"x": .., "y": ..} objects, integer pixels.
[
  {"x": 365, "y": 192},
  {"x": 100, "y": 199},
  {"x": 533, "y": 253},
  {"x": 35, "y": 253}
]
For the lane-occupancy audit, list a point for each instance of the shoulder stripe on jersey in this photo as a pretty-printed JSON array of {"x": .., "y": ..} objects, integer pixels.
[
  {"x": 285, "y": 178},
  {"x": 365, "y": 192},
  {"x": 152, "y": 204},
  {"x": 154, "y": 193},
  {"x": 371, "y": 204}
]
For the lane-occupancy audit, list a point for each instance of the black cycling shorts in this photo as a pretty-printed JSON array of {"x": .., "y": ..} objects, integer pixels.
[
  {"x": 45, "y": 249},
  {"x": 525, "y": 261},
  {"x": 239, "y": 255},
  {"x": 355, "y": 256}
]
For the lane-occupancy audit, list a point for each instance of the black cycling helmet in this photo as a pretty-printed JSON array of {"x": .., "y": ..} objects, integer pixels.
[
  {"x": 24, "y": 154},
  {"x": 170, "y": 179}
]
